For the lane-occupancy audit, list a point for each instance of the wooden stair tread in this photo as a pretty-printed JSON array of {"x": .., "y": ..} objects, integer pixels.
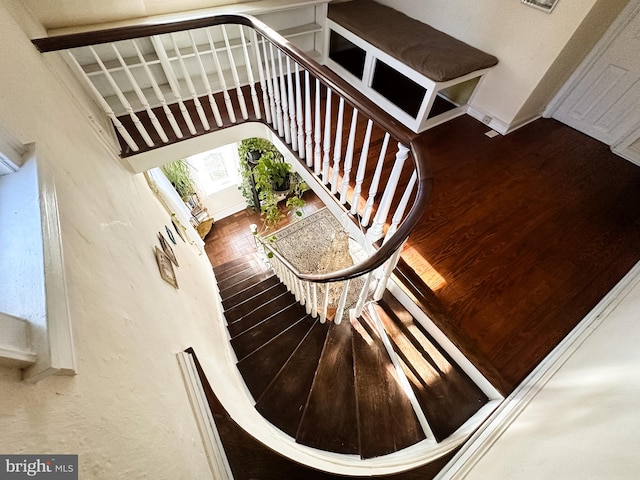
[
  {"x": 329, "y": 421},
  {"x": 268, "y": 309},
  {"x": 240, "y": 273},
  {"x": 387, "y": 421},
  {"x": 259, "y": 368},
  {"x": 222, "y": 269},
  {"x": 283, "y": 402},
  {"x": 240, "y": 310},
  {"x": 229, "y": 301},
  {"x": 252, "y": 339},
  {"x": 246, "y": 283},
  {"x": 446, "y": 394}
]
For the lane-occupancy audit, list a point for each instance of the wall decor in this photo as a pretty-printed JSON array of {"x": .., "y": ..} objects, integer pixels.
[
  {"x": 165, "y": 266},
  {"x": 170, "y": 235},
  {"x": 178, "y": 230},
  {"x": 166, "y": 248},
  {"x": 544, "y": 5}
]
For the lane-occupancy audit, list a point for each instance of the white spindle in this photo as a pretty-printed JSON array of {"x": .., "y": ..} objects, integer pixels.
[
  {"x": 342, "y": 302},
  {"x": 307, "y": 294},
  {"x": 141, "y": 97},
  {"x": 317, "y": 152},
  {"x": 402, "y": 206},
  {"x": 325, "y": 303},
  {"x": 156, "y": 89},
  {"x": 299, "y": 114},
  {"x": 364, "y": 294},
  {"x": 308, "y": 126},
  {"x": 386, "y": 275},
  {"x": 276, "y": 92},
  {"x": 337, "y": 148},
  {"x": 105, "y": 106},
  {"x": 326, "y": 147},
  {"x": 122, "y": 98},
  {"x": 223, "y": 83},
  {"x": 252, "y": 82},
  {"x": 292, "y": 107},
  {"x": 190, "y": 87},
  {"x": 234, "y": 73},
  {"x": 255, "y": 45},
  {"x": 269, "y": 81},
  {"x": 173, "y": 82},
  {"x": 362, "y": 167},
  {"x": 314, "y": 299},
  {"x": 348, "y": 157},
  {"x": 373, "y": 188},
  {"x": 284, "y": 100},
  {"x": 375, "y": 232},
  {"x": 205, "y": 82}
]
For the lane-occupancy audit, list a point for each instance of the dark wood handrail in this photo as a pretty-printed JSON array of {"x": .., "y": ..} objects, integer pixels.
[{"x": 329, "y": 78}]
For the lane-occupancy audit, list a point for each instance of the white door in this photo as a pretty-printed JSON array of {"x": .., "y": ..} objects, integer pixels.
[{"x": 602, "y": 98}]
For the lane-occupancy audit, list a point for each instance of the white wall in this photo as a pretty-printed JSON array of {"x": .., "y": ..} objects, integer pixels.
[
  {"x": 526, "y": 41},
  {"x": 126, "y": 413}
]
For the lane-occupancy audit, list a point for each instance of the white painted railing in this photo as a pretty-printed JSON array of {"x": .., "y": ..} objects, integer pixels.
[{"x": 163, "y": 83}]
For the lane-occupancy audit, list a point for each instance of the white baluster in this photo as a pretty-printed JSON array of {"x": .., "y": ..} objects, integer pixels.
[
  {"x": 362, "y": 166},
  {"x": 105, "y": 106},
  {"x": 386, "y": 275},
  {"x": 234, "y": 73},
  {"x": 252, "y": 82},
  {"x": 326, "y": 148},
  {"x": 375, "y": 232},
  {"x": 173, "y": 82},
  {"x": 342, "y": 302},
  {"x": 402, "y": 206},
  {"x": 255, "y": 45},
  {"x": 190, "y": 87},
  {"x": 156, "y": 89},
  {"x": 123, "y": 100},
  {"x": 292, "y": 108},
  {"x": 205, "y": 82},
  {"x": 307, "y": 292},
  {"x": 364, "y": 294},
  {"x": 276, "y": 92},
  {"x": 284, "y": 101},
  {"x": 299, "y": 113},
  {"x": 337, "y": 148},
  {"x": 223, "y": 83},
  {"x": 269, "y": 81},
  {"x": 325, "y": 303},
  {"x": 307, "y": 119},
  {"x": 373, "y": 188},
  {"x": 317, "y": 152},
  {"x": 314, "y": 300},
  {"x": 141, "y": 97},
  {"x": 348, "y": 157}
]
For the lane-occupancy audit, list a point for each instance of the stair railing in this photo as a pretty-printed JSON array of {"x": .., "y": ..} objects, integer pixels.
[{"x": 165, "y": 82}]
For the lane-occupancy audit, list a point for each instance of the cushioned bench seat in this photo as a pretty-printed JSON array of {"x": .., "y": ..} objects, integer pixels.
[{"x": 434, "y": 54}]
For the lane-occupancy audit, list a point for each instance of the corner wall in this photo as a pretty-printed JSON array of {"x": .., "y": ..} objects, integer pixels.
[{"x": 126, "y": 413}]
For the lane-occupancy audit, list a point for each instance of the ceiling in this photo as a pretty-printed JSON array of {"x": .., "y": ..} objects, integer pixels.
[{"x": 73, "y": 13}]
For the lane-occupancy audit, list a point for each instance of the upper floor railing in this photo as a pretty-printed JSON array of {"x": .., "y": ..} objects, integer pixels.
[{"x": 162, "y": 83}]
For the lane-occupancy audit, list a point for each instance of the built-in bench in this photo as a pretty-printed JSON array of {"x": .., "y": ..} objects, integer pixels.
[{"x": 408, "y": 67}]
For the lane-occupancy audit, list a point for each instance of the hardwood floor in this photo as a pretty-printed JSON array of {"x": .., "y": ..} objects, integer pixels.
[{"x": 524, "y": 234}]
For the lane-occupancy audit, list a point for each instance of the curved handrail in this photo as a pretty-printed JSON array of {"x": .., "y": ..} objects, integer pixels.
[{"x": 330, "y": 79}]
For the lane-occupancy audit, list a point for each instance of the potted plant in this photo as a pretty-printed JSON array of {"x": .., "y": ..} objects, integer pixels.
[
  {"x": 268, "y": 180},
  {"x": 178, "y": 173}
]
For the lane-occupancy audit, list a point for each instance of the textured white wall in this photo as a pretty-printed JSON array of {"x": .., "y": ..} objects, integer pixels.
[{"x": 126, "y": 413}]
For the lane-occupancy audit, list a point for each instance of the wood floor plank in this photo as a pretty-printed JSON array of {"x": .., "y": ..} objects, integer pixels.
[
  {"x": 260, "y": 368},
  {"x": 253, "y": 338},
  {"x": 330, "y": 421},
  {"x": 446, "y": 394},
  {"x": 386, "y": 419},
  {"x": 282, "y": 403}
]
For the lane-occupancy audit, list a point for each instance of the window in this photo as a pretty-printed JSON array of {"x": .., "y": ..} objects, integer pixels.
[{"x": 216, "y": 169}]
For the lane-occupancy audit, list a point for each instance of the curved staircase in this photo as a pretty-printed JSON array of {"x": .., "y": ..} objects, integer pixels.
[{"x": 333, "y": 386}]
